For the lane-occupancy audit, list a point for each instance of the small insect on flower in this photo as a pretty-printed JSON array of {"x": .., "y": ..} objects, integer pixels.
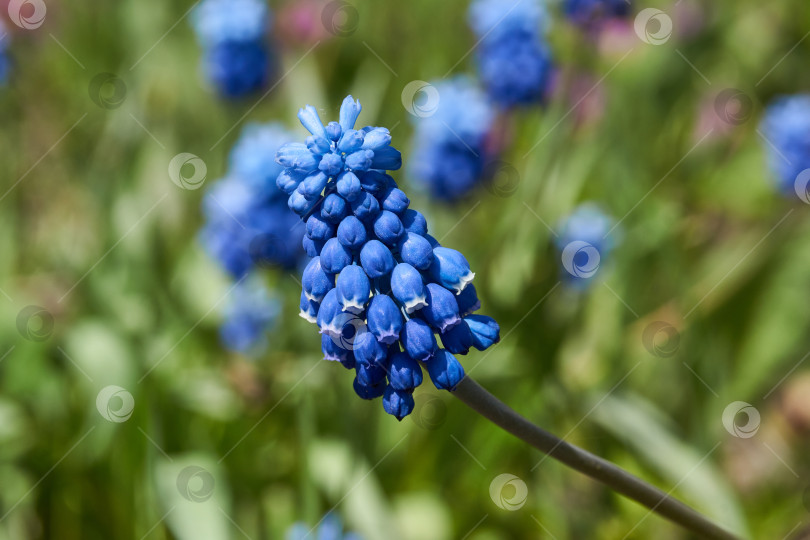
[
  {"x": 786, "y": 127},
  {"x": 379, "y": 286}
]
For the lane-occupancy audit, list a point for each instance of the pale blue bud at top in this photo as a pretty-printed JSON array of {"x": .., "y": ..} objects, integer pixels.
[
  {"x": 404, "y": 373},
  {"x": 458, "y": 339},
  {"x": 414, "y": 222},
  {"x": 442, "y": 309},
  {"x": 394, "y": 200},
  {"x": 334, "y": 256},
  {"x": 376, "y": 138},
  {"x": 310, "y": 120},
  {"x": 333, "y": 131},
  {"x": 444, "y": 370},
  {"x": 398, "y": 403},
  {"x": 416, "y": 251},
  {"x": 352, "y": 233},
  {"x": 318, "y": 145},
  {"x": 348, "y": 186},
  {"x": 366, "y": 207},
  {"x": 331, "y": 164},
  {"x": 368, "y": 350},
  {"x": 349, "y": 111},
  {"x": 407, "y": 287},
  {"x": 308, "y": 308},
  {"x": 318, "y": 229},
  {"x": 376, "y": 259},
  {"x": 353, "y": 289},
  {"x": 418, "y": 340},
  {"x": 384, "y": 319},
  {"x": 450, "y": 269},
  {"x": 388, "y": 228},
  {"x": 485, "y": 331},
  {"x": 468, "y": 301},
  {"x": 334, "y": 208},
  {"x": 313, "y": 185},
  {"x": 316, "y": 282},
  {"x": 351, "y": 141},
  {"x": 360, "y": 160}
]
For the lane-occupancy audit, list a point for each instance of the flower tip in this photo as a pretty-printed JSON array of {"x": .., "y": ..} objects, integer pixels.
[{"x": 307, "y": 316}]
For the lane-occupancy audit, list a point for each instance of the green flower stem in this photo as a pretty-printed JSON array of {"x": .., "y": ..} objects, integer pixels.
[{"x": 616, "y": 478}]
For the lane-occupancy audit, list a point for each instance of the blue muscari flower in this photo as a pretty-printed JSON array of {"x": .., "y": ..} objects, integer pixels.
[
  {"x": 379, "y": 285},
  {"x": 585, "y": 241},
  {"x": 330, "y": 528},
  {"x": 232, "y": 34},
  {"x": 249, "y": 312},
  {"x": 514, "y": 60},
  {"x": 588, "y": 12},
  {"x": 449, "y": 146},
  {"x": 247, "y": 220},
  {"x": 786, "y": 126}
]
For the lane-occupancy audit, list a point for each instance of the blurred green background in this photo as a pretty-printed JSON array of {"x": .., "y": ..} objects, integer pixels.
[{"x": 93, "y": 232}]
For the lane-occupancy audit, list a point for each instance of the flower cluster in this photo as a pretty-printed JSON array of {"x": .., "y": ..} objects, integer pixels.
[
  {"x": 450, "y": 145},
  {"x": 330, "y": 528},
  {"x": 585, "y": 240},
  {"x": 232, "y": 34},
  {"x": 248, "y": 226},
  {"x": 586, "y": 13},
  {"x": 786, "y": 126},
  {"x": 378, "y": 285},
  {"x": 514, "y": 60}
]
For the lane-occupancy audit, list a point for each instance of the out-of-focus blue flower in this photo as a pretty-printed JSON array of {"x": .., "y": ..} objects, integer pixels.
[
  {"x": 586, "y": 13},
  {"x": 249, "y": 312},
  {"x": 330, "y": 528},
  {"x": 232, "y": 34},
  {"x": 786, "y": 126},
  {"x": 514, "y": 60},
  {"x": 449, "y": 146},
  {"x": 585, "y": 241},
  {"x": 379, "y": 286},
  {"x": 5, "y": 63}
]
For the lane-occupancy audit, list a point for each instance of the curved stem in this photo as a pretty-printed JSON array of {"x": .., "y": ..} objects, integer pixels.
[{"x": 616, "y": 478}]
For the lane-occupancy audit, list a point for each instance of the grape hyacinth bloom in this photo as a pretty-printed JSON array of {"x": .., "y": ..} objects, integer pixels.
[
  {"x": 249, "y": 312},
  {"x": 587, "y": 13},
  {"x": 585, "y": 241},
  {"x": 379, "y": 287},
  {"x": 330, "y": 528},
  {"x": 786, "y": 126},
  {"x": 450, "y": 147},
  {"x": 232, "y": 34},
  {"x": 514, "y": 59}
]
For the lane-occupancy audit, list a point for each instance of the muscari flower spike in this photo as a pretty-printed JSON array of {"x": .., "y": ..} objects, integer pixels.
[
  {"x": 586, "y": 239},
  {"x": 232, "y": 34},
  {"x": 786, "y": 126},
  {"x": 450, "y": 145},
  {"x": 514, "y": 59},
  {"x": 379, "y": 286}
]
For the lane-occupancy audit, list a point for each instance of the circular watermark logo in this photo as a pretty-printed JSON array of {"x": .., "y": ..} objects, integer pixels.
[
  {"x": 653, "y": 26},
  {"x": 107, "y": 90},
  {"x": 115, "y": 404},
  {"x": 340, "y": 18},
  {"x": 187, "y": 171},
  {"x": 27, "y": 14},
  {"x": 580, "y": 259},
  {"x": 429, "y": 411},
  {"x": 351, "y": 328},
  {"x": 741, "y": 419},
  {"x": 661, "y": 339},
  {"x": 421, "y": 99},
  {"x": 508, "y": 492},
  {"x": 501, "y": 178},
  {"x": 35, "y": 323},
  {"x": 733, "y": 106},
  {"x": 801, "y": 184},
  {"x": 195, "y": 484}
]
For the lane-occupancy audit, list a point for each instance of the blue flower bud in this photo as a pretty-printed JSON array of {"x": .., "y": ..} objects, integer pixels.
[
  {"x": 458, "y": 339},
  {"x": 368, "y": 391},
  {"x": 330, "y": 315},
  {"x": 296, "y": 156},
  {"x": 353, "y": 289},
  {"x": 394, "y": 200},
  {"x": 374, "y": 182},
  {"x": 444, "y": 370},
  {"x": 414, "y": 222},
  {"x": 331, "y": 164},
  {"x": 332, "y": 351},
  {"x": 485, "y": 331},
  {"x": 318, "y": 145},
  {"x": 309, "y": 308},
  {"x": 334, "y": 208},
  {"x": 418, "y": 340},
  {"x": 433, "y": 242},
  {"x": 366, "y": 207},
  {"x": 442, "y": 310},
  {"x": 312, "y": 247},
  {"x": 310, "y": 120},
  {"x": 318, "y": 229},
  {"x": 398, "y": 403},
  {"x": 348, "y": 186},
  {"x": 351, "y": 141},
  {"x": 360, "y": 160},
  {"x": 376, "y": 138},
  {"x": 369, "y": 374},
  {"x": 349, "y": 111},
  {"x": 333, "y": 131},
  {"x": 334, "y": 256},
  {"x": 468, "y": 301},
  {"x": 316, "y": 282},
  {"x": 416, "y": 251},
  {"x": 313, "y": 185},
  {"x": 299, "y": 204},
  {"x": 288, "y": 180},
  {"x": 387, "y": 158},
  {"x": 376, "y": 259},
  {"x": 388, "y": 228},
  {"x": 368, "y": 350},
  {"x": 451, "y": 269},
  {"x": 384, "y": 319},
  {"x": 407, "y": 287},
  {"x": 352, "y": 233},
  {"x": 404, "y": 373}
]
